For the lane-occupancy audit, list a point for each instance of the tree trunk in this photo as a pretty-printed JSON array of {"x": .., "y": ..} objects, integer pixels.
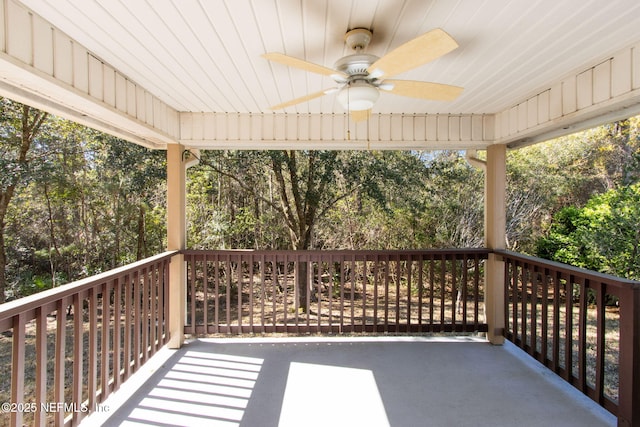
[
  {"x": 303, "y": 286},
  {"x": 5, "y": 197},
  {"x": 116, "y": 238},
  {"x": 57, "y": 258},
  {"x": 3, "y": 266},
  {"x": 623, "y": 128},
  {"x": 142, "y": 241}
]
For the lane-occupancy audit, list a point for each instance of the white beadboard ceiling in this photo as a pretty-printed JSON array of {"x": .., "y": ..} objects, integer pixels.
[{"x": 204, "y": 55}]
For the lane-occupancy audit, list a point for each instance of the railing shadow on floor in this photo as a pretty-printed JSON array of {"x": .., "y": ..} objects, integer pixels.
[{"x": 193, "y": 387}]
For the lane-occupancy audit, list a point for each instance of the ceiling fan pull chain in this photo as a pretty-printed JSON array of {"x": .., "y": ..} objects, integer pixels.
[{"x": 348, "y": 120}]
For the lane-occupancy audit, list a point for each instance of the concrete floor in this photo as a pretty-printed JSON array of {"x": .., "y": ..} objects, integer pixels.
[{"x": 340, "y": 381}]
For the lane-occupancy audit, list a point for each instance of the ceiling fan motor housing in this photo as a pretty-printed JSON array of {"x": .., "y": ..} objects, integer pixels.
[
  {"x": 358, "y": 92},
  {"x": 356, "y": 64}
]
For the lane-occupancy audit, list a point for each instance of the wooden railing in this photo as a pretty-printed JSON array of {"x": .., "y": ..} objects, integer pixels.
[
  {"x": 583, "y": 325},
  {"x": 72, "y": 346},
  {"x": 232, "y": 292}
]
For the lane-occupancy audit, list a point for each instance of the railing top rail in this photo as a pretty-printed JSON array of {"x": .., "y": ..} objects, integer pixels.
[
  {"x": 461, "y": 251},
  {"x": 571, "y": 270},
  {"x": 11, "y": 308}
]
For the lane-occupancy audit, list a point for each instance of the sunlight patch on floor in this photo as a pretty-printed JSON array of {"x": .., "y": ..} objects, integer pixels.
[{"x": 321, "y": 395}]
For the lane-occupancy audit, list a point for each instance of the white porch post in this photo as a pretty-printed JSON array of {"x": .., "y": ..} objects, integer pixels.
[
  {"x": 176, "y": 240},
  {"x": 495, "y": 229}
]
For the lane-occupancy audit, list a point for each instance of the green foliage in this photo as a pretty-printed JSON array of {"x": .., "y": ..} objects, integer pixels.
[
  {"x": 604, "y": 235},
  {"x": 83, "y": 202},
  {"x": 547, "y": 177},
  {"x": 596, "y": 225},
  {"x": 287, "y": 199}
]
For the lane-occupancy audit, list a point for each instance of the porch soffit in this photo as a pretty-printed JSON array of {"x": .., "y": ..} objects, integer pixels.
[{"x": 84, "y": 61}]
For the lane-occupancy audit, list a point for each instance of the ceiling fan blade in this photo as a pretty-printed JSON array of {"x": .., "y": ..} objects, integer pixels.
[
  {"x": 360, "y": 115},
  {"x": 422, "y": 90},
  {"x": 422, "y": 49},
  {"x": 302, "y": 64},
  {"x": 301, "y": 99}
]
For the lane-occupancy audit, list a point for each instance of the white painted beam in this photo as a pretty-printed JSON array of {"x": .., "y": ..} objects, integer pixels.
[
  {"x": 42, "y": 67},
  {"x": 597, "y": 94},
  {"x": 335, "y": 131}
]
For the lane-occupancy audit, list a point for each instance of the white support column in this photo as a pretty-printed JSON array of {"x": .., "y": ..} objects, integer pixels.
[
  {"x": 176, "y": 240},
  {"x": 495, "y": 229}
]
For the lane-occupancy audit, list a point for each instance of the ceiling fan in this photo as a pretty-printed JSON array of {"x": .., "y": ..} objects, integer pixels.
[{"x": 361, "y": 76}]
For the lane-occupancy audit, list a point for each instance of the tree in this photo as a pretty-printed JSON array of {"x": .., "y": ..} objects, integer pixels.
[
  {"x": 302, "y": 187},
  {"x": 20, "y": 126},
  {"x": 232, "y": 202},
  {"x": 87, "y": 203},
  {"x": 603, "y": 236},
  {"x": 79, "y": 202},
  {"x": 133, "y": 179},
  {"x": 547, "y": 177},
  {"x": 454, "y": 197}
]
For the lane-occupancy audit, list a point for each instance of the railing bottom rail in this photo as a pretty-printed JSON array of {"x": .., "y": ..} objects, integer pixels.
[{"x": 337, "y": 330}]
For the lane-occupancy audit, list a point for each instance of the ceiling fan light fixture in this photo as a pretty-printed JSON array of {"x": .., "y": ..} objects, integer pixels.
[{"x": 358, "y": 96}]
